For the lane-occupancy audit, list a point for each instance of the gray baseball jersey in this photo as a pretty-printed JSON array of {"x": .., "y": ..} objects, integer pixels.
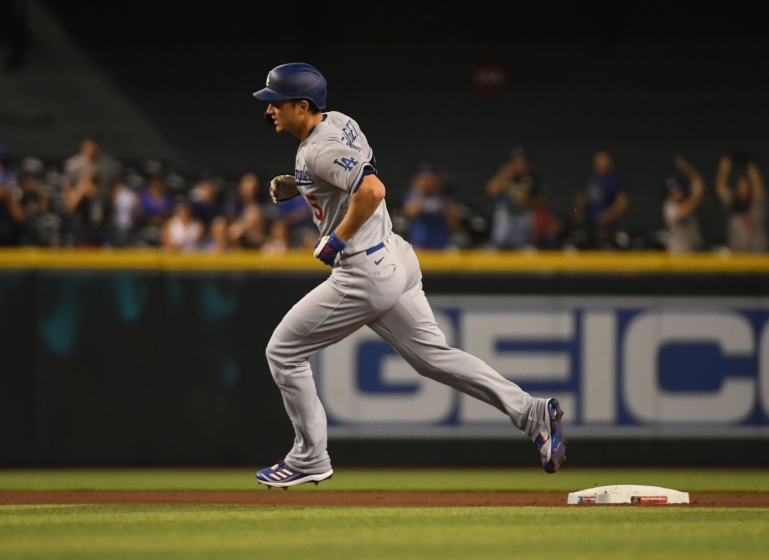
[{"x": 330, "y": 166}]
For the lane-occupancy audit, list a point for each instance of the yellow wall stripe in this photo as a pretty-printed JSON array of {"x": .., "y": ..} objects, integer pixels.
[{"x": 490, "y": 262}]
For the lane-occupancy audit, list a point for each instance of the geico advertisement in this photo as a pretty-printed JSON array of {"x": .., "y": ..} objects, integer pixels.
[{"x": 636, "y": 367}]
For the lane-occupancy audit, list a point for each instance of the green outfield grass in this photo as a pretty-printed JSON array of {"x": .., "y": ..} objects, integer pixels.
[
  {"x": 230, "y": 532},
  {"x": 689, "y": 480}
]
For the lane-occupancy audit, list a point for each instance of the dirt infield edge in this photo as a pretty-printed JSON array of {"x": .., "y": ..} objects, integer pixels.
[{"x": 360, "y": 499}]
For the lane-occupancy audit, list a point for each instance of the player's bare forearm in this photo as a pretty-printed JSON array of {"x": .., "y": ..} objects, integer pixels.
[{"x": 364, "y": 203}]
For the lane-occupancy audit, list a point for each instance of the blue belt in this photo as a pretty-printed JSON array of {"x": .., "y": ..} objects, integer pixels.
[{"x": 375, "y": 248}]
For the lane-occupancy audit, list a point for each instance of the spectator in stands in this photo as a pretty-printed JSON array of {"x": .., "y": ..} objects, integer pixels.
[
  {"x": 12, "y": 215},
  {"x": 433, "y": 215},
  {"x": 248, "y": 193},
  {"x": 297, "y": 218},
  {"x": 218, "y": 239},
  {"x": 277, "y": 242},
  {"x": 91, "y": 161},
  {"x": 248, "y": 230},
  {"x": 182, "y": 232},
  {"x": 34, "y": 201},
  {"x": 547, "y": 228},
  {"x": 86, "y": 210},
  {"x": 155, "y": 204},
  {"x": 679, "y": 210},
  {"x": 602, "y": 201},
  {"x": 746, "y": 206},
  {"x": 125, "y": 209},
  {"x": 517, "y": 195},
  {"x": 43, "y": 223},
  {"x": 205, "y": 204}
]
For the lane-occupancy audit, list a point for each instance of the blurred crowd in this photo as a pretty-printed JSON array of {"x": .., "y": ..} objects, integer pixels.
[
  {"x": 521, "y": 218},
  {"x": 92, "y": 200}
]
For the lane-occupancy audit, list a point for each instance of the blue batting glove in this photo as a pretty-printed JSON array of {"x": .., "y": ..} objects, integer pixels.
[{"x": 329, "y": 249}]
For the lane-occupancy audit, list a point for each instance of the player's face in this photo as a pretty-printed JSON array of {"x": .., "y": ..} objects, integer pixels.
[{"x": 285, "y": 115}]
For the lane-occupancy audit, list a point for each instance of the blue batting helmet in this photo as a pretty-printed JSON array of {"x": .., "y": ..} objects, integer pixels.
[{"x": 295, "y": 81}]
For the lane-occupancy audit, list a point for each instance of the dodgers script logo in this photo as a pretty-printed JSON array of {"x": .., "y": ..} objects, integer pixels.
[{"x": 303, "y": 178}]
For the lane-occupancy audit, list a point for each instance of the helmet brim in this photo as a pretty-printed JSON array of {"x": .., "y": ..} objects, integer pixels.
[{"x": 267, "y": 94}]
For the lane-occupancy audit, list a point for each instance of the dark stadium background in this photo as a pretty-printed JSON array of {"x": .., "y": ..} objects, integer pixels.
[{"x": 642, "y": 80}]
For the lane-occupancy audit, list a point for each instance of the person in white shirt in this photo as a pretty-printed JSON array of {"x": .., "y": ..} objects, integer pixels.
[
  {"x": 679, "y": 210},
  {"x": 182, "y": 232},
  {"x": 746, "y": 206}
]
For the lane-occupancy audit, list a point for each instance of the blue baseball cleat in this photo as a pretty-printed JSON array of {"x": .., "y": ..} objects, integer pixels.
[
  {"x": 550, "y": 440},
  {"x": 283, "y": 476}
]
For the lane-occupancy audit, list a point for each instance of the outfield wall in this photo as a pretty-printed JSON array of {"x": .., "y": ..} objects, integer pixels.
[{"x": 150, "y": 359}]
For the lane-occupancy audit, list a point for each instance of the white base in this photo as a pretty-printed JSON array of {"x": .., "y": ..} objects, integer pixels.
[{"x": 628, "y": 494}]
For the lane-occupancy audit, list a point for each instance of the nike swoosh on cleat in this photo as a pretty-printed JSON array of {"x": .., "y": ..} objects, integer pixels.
[{"x": 380, "y": 260}]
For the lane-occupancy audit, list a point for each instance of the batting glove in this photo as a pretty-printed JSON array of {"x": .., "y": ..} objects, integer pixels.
[
  {"x": 280, "y": 186},
  {"x": 329, "y": 249}
]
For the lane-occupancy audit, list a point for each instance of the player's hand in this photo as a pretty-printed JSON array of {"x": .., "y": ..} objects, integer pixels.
[
  {"x": 329, "y": 249},
  {"x": 283, "y": 187}
]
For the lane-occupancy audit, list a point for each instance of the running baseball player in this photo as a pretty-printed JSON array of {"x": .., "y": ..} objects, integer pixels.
[{"x": 375, "y": 281}]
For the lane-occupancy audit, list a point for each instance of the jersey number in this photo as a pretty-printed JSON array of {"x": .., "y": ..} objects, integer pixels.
[
  {"x": 347, "y": 163},
  {"x": 313, "y": 200}
]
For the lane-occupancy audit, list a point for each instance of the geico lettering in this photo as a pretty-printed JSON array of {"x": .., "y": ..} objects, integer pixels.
[
  {"x": 649, "y": 332},
  {"x": 346, "y": 402},
  {"x": 641, "y": 367},
  {"x": 763, "y": 368}
]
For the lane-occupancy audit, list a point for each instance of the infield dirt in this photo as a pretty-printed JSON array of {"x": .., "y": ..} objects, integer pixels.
[{"x": 279, "y": 497}]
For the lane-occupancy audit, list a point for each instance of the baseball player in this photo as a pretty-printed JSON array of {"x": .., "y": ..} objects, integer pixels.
[{"x": 375, "y": 281}]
